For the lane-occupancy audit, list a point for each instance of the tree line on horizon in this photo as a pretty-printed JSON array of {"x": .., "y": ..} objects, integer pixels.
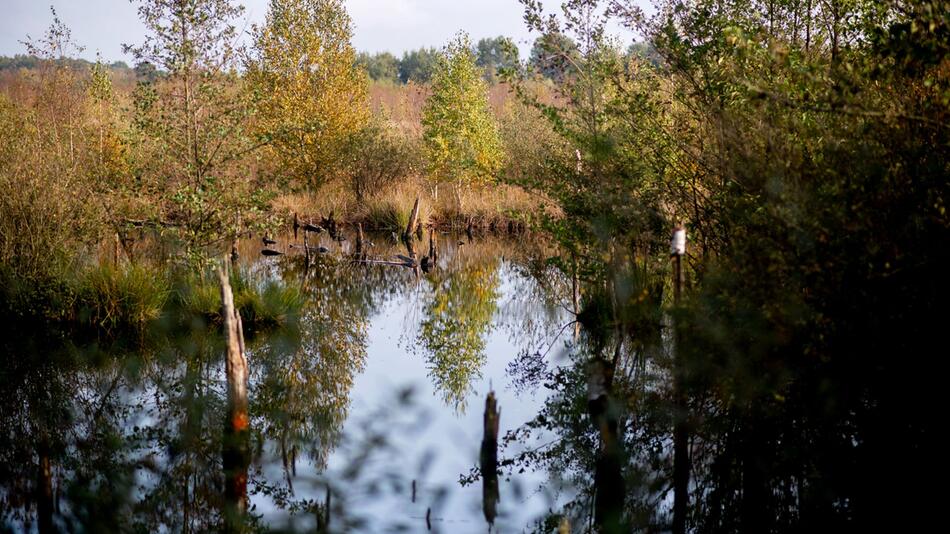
[
  {"x": 496, "y": 57},
  {"x": 804, "y": 146}
]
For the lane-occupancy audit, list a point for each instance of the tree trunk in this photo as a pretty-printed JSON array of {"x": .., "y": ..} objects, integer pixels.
[
  {"x": 235, "y": 448},
  {"x": 609, "y": 484}
]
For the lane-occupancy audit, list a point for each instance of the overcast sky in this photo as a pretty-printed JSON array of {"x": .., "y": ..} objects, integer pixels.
[{"x": 393, "y": 25}]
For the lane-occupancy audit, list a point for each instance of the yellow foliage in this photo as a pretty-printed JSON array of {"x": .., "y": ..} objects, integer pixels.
[{"x": 313, "y": 96}]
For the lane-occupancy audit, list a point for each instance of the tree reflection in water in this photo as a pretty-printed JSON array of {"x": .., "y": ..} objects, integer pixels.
[
  {"x": 121, "y": 434},
  {"x": 455, "y": 325}
]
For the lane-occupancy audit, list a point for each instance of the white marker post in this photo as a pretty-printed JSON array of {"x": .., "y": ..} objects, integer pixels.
[{"x": 680, "y": 430}]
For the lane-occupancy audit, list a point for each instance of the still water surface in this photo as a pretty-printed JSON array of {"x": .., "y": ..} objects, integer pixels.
[{"x": 378, "y": 389}]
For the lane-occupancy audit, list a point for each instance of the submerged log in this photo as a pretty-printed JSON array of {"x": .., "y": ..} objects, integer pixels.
[
  {"x": 408, "y": 260},
  {"x": 310, "y": 227},
  {"x": 489, "y": 459},
  {"x": 387, "y": 262},
  {"x": 235, "y": 443}
]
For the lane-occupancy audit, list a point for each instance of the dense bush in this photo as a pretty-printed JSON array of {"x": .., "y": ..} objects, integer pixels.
[
  {"x": 805, "y": 148},
  {"x": 379, "y": 157}
]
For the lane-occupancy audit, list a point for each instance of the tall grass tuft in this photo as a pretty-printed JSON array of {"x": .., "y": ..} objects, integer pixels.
[
  {"x": 125, "y": 296},
  {"x": 385, "y": 214},
  {"x": 261, "y": 302}
]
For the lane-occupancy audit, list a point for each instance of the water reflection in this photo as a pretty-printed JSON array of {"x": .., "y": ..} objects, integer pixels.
[
  {"x": 126, "y": 434},
  {"x": 456, "y": 321}
]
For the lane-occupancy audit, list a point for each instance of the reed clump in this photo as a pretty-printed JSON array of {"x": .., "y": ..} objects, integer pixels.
[{"x": 262, "y": 302}]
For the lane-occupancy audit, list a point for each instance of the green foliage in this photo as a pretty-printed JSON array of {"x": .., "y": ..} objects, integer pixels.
[
  {"x": 31, "y": 62},
  {"x": 381, "y": 67},
  {"x": 313, "y": 95},
  {"x": 111, "y": 297},
  {"x": 531, "y": 142},
  {"x": 386, "y": 214},
  {"x": 460, "y": 137},
  {"x": 418, "y": 65},
  {"x": 496, "y": 56},
  {"x": 191, "y": 141},
  {"x": 379, "y": 156},
  {"x": 453, "y": 331},
  {"x": 554, "y": 55},
  {"x": 49, "y": 216},
  {"x": 262, "y": 302},
  {"x": 805, "y": 147}
]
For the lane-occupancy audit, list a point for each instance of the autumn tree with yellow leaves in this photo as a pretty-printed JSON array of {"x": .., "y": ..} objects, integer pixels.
[
  {"x": 313, "y": 96},
  {"x": 461, "y": 139}
]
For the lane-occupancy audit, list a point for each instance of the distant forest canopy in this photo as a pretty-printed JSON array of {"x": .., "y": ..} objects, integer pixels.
[
  {"x": 24, "y": 61},
  {"x": 494, "y": 56},
  {"x": 143, "y": 71}
]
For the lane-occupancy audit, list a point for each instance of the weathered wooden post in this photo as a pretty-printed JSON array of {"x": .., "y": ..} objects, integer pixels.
[
  {"x": 575, "y": 297},
  {"x": 45, "y": 504},
  {"x": 115, "y": 250},
  {"x": 306, "y": 251},
  {"x": 296, "y": 226},
  {"x": 489, "y": 459},
  {"x": 359, "y": 241},
  {"x": 323, "y": 515},
  {"x": 680, "y": 429},
  {"x": 235, "y": 447},
  {"x": 413, "y": 220},
  {"x": 326, "y": 223}
]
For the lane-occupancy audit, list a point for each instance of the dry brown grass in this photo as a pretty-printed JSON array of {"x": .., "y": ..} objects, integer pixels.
[
  {"x": 487, "y": 207},
  {"x": 403, "y": 104}
]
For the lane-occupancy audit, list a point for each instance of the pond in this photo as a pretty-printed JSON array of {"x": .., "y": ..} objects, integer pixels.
[{"x": 374, "y": 399}]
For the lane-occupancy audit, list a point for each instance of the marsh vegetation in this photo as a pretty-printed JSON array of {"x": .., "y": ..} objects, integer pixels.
[{"x": 688, "y": 283}]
